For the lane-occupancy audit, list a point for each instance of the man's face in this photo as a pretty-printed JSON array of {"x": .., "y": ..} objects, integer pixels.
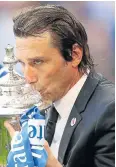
[{"x": 44, "y": 67}]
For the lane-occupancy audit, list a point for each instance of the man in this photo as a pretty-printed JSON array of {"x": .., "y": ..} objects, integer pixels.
[{"x": 53, "y": 50}]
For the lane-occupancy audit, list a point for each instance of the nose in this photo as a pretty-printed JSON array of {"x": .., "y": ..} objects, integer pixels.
[{"x": 30, "y": 75}]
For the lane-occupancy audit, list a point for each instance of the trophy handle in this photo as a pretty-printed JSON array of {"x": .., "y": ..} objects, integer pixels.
[{"x": 15, "y": 122}]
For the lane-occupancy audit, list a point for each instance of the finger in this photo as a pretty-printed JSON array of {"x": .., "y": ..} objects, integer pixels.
[
  {"x": 46, "y": 146},
  {"x": 51, "y": 161},
  {"x": 10, "y": 129}
]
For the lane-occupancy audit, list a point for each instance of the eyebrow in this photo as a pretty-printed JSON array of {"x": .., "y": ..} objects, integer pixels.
[
  {"x": 32, "y": 59},
  {"x": 35, "y": 58}
]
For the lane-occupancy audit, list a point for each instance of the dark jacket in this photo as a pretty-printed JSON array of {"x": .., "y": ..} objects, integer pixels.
[{"x": 90, "y": 142}]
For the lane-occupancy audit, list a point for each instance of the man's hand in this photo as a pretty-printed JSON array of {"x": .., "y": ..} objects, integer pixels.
[
  {"x": 51, "y": 162},
  {"x": 10, "y": 128}
]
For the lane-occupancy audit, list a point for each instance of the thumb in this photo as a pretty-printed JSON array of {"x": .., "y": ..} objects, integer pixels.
[
  {"x": 10, "y": 128},
  {"x": 46, "y": 146}
]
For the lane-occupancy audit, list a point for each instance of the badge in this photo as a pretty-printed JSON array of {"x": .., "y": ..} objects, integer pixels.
[{"x": 73, "y": 122}]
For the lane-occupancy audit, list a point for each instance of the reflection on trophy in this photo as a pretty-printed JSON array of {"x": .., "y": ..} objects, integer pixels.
[{"x": 16, "y": 96}]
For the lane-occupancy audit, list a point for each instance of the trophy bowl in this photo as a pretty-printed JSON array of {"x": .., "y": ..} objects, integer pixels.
[{"x": 16, "y": 96}]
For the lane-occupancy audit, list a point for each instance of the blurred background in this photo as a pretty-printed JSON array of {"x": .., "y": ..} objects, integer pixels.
[{"x": 98, "y": 18}]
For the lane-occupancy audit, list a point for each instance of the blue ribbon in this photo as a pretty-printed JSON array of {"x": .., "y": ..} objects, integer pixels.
[
  {"x": 23, "y": 153},
  {"x": 2, "y": 72}
]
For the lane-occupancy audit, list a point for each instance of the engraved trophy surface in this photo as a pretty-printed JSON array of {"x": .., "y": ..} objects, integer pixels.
[{"x": 16, "y": 96}]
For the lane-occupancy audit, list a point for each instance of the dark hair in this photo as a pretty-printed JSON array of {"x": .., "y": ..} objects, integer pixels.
[{"x": 64, "y": 28}]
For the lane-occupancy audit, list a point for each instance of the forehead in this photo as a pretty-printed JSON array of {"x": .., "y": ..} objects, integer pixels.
[{"x": 40, "y": 44}]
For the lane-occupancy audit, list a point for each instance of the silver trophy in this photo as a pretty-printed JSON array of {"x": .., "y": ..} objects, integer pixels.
[{"x": 16, "y": 96}]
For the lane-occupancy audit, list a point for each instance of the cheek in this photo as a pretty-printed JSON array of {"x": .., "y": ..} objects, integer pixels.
[
  {"x": 53, "y": 75},
  {"x": 46, "y": 78},
  {"x": 47, "y": 73},
  {"x": 52, "y": 79}
]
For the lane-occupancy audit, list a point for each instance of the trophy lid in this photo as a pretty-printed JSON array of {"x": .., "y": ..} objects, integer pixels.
[
  {"x": 11, "y": 79},
  {"x": 9, "y": 57}
]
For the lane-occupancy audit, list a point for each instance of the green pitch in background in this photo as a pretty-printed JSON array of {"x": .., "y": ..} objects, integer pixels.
[{"x": 4, "y": 142}]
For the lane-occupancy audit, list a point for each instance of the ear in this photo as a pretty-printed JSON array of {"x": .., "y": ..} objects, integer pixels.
[{"x": 77, "y": 53}]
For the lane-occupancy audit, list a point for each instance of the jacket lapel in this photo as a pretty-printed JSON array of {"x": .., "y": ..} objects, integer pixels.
[
  {"x": 79, "y": 106},
  {"x": 68, "y": 133}
]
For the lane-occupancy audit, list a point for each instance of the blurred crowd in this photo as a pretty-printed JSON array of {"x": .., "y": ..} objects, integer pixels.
[{"x": 98, "y": 18}]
